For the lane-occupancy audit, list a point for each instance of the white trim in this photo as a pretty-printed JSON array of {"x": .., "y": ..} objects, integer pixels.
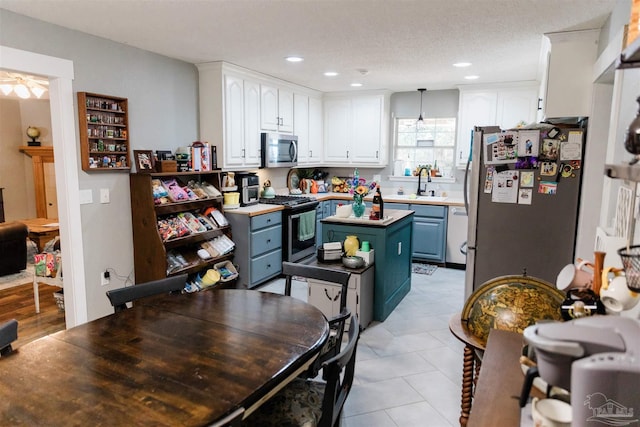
[{"x": 60, "y": 74}]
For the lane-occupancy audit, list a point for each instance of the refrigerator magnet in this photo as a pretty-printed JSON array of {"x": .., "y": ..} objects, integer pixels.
[
  {"x": 524, "y": 196},
  {"x": 526, "y": 179},
  {"x": 570, "y": 150},
  {"x": 548, "y": 169},
  {"x": 547, "y": 187},
  {"x": 566, "y": 170}
]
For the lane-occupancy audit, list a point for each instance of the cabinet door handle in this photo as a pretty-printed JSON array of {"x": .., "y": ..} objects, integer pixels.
[
  {"x": 268, "y": 240},
  {"x": 327, "y": 294},
  {"x": 539, "y": 101},
  {"x": 337, "y": 296},
  {"x": 243, "y": 153},
  {"x": 347, "y": 154}
]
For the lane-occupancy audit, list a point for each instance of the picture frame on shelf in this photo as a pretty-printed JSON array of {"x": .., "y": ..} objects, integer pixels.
[
  {"x": 165, "y": 155},
  {"x": 144, "y": 161}
]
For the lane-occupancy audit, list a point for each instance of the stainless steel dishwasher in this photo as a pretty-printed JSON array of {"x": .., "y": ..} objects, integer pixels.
[{"x": 456, "y": 235}]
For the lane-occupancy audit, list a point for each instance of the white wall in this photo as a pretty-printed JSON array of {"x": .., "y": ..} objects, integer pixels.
[{"x": 163, "y": 102}]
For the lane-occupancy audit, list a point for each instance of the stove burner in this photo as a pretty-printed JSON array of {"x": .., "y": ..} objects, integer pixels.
[{"x": 287, "y": 200}]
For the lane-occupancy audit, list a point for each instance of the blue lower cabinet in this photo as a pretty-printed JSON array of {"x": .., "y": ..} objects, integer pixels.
[
  {"x": 393, "y": 249},
  {"x": 429, "y": 233},
  {"x": 258, "y": 252}
]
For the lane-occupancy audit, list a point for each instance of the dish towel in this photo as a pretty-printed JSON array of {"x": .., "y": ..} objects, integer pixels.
[{"x": 307, "y": 226}]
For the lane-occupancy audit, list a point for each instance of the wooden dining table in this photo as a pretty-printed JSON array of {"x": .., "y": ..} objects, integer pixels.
[{"x": 171, "y": 360}]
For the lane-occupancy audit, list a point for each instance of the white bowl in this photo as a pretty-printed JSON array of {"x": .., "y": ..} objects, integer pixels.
[{"x": 344, "y": 211}]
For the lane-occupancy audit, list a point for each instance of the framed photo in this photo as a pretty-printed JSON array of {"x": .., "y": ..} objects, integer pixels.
[
  {"x": 165, "y": 155},
  {"x": 144, "y": 161}
]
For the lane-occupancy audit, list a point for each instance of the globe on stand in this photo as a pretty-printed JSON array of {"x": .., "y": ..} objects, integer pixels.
[{"x": 33, "y": 133}]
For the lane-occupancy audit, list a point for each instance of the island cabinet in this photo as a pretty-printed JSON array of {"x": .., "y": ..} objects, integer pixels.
[
  {"x": 152, "y": 255},
  {"x": 429, "y": 230},
  {"x": 392, "y": 241},
  {"x": 258, "y": 239}
]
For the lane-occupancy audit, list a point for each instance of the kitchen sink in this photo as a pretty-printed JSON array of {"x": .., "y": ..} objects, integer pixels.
[{"x": 410, "y": 197}]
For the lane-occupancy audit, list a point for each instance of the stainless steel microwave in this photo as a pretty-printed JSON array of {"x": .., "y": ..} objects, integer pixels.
[{"x": 279, "y": 150}]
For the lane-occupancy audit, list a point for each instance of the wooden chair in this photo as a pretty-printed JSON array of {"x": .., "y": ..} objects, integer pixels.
[
  {"x": 308, "y": 402},
  {"x": 121, "y": 296},
  {"x": 234, "y": 419},
  {"x": 337, "y": 323},
  {"x": 8, "y": 334}
]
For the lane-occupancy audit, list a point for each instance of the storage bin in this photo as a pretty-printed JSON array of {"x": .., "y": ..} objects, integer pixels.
[
  {"x": 227, "y": 271},
  {"x": 167, "y": 166}
]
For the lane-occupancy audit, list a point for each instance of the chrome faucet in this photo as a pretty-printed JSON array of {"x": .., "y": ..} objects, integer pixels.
[{"x": 420, "y": 191}]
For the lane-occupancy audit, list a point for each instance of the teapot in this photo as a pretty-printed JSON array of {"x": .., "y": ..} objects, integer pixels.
[{"x": 268, "y": 192}]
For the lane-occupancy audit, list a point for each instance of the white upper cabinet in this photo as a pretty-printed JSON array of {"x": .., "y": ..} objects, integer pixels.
[
  {"x": 277, "y": 109},
  {"x": 234, "y": 121},
  {"x": 252, "y": 123},
  {"x": 233, "y": 105},
  {"x": 337, "y": 130},
  {"x": 504, "y": 106},
  {"x": 315, "y": 130},
  {"x": 301, "y": 125},
  {"x": 356, "y": 129},
  {"x": 569, "y": 76}
]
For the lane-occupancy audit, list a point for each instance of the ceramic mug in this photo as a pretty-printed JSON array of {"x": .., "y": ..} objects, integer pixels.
[
  {"x": 574, "y": 276},
  {"x": 550, "y": 413},
  {"x": 615, "y": 294}
]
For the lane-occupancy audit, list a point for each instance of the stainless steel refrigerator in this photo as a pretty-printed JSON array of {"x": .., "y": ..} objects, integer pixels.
[{"x": 523, "y": 212}]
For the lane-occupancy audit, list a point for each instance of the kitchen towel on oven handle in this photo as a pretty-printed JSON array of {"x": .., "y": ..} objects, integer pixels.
[{"x": 307, "y": 225}]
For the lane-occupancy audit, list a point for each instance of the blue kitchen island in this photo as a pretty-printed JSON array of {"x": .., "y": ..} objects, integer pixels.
[{"x": 391, "y": 239}]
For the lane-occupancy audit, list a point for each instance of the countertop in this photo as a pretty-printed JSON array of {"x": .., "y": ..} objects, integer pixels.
[
  {"x": 391, "y": 216},
  {"x": 260, "y": 209}
]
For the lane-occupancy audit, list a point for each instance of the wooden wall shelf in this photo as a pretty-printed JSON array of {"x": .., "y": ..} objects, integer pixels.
[{"x": 104, "y": 133}]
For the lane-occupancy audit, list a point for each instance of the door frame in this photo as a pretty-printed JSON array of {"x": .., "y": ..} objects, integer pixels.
[{"x": 63, "y": 129}]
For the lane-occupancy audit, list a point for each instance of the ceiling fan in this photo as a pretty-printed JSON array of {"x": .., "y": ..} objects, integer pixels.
[{"x": 23, "y": 85}]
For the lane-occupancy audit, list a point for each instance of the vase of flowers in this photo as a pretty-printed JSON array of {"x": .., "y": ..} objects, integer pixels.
[{"x": 359, "y": 189}]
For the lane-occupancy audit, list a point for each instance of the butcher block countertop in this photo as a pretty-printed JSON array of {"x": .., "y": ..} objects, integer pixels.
[
  {"x": 395, "y": 198},
  {"x": 261, "y": 209}
]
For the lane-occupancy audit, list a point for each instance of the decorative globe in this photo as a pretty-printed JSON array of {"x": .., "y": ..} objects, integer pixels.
[
  {"x": 33, "y": 132},
  {"x": 510, "y": 303}
]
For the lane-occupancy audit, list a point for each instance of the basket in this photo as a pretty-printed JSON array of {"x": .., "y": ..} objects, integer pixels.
[
  {"x": 631, "y": 263},
  {"x": 227, "y": 271}
]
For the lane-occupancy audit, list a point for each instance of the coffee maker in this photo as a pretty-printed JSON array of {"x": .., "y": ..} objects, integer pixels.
[
  {"x": 596, "y": 359},
  {"x": 249, "y": 187}
]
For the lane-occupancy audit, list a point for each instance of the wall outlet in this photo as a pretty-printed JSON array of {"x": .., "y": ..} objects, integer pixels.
[{"x": 105, "y": 278}]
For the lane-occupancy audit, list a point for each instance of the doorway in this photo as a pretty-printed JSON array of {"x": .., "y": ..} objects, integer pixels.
[{"x": 60, "y": 74}]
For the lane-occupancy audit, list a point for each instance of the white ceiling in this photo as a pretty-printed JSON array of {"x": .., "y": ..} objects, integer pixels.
[{"x": 404, "y": 44}]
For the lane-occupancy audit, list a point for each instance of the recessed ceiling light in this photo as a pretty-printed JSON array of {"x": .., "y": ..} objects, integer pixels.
[
  {"x": 294, "y": 59},
  {"x": 471, "y": 77},
  {"x": 330, "y": 74},
  {"x": 356, "y": 84},
  {"x": 462, "y": 64}
]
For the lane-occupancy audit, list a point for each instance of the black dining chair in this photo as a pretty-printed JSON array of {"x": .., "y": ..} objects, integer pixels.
[
  {"x": 121, "y": 296},
  {"x": 234, "y": 419},
  {"x": 336, "y": 323},
  {"x": 310, "y": 402},
  {"x": 8, "y": 334}
]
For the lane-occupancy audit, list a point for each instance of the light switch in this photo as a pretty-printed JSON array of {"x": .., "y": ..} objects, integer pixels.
[{"x": 104, "y": 195}]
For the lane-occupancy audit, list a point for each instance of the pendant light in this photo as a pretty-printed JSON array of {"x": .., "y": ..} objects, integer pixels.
[{"x": 420, "y": 119}]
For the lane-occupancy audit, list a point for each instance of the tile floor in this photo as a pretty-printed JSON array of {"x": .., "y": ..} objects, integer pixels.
[{"x": 409, "y": 367}]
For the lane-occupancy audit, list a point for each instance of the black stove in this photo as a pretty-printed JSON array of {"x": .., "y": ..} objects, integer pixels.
[{"x": 288, "y": 201}]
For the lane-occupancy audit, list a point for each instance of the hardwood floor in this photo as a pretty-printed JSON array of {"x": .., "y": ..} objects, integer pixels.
[{"x": 17, "y": 303}]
